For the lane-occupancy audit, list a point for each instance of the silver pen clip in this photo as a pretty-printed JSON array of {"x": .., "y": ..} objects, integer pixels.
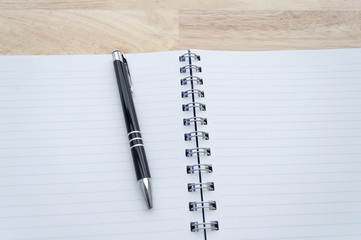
[
  {"x": 129, "y": 77},
  {"x": 118, "y": 56}
]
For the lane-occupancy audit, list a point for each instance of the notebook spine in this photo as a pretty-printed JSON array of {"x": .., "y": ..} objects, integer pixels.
[{"x": 194, "y": 105}]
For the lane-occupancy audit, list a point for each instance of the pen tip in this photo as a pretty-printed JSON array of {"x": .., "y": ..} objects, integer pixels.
[{"x": 146, "y": 189}]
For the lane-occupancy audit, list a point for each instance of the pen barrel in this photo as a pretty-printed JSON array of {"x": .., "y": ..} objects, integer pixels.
[
  {"x": 139, "y": 157},
  {"x": 131, "y": 122}
]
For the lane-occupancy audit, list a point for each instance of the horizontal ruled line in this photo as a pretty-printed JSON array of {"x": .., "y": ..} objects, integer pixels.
[
  {"x": 287, "y": 92},
  {"x": 287, "y": 83},
  {"x": 69, "y": 121},
  {"x": 67, "y": 173},
  {"x": 297, "y": 106},
  {"x": 291, "y": 155},
  {"x": 292, "y": 214},
  {"x": 268, "y": 73},
  {"x": 58, "y": 91},
  {"x": 295, "y": 226},
  {"x": 271, "y": 66},
  {"x": 296, "y": 121},
  {"x": 122, "y": 234},
  {"x": 291, "y": 183},
  {"x": 85, "y": 163},
  {"x": 77, "y": 146},
  {"x": 286, "y": 164},
  {"x": 77, "y": 106},
  {"x": 174, "y": 176},
  {"x": 79, "y": 192},
  {"x": 82, "y": 203},
  {"x": 288, "y": 204},
  {"x": 302, "y": 237},
  {"x": 291, "y": 114},
  {"x": 69, "y": 83},
  {"x": 289, "y": 99},
  {"x": 62, "y": 146},
  {"x": 63, "y": 98},
  {"x": 96, "y": 224},
  {"x": 285, "y": 138},
  {"x": 293, "y": 146},
  {"x": 77, "y": 154},
  {"x": 64, "y": 173},
  {"x": 287, "y": 193},
  {"x": 283, "y": 174},
  {"x": 278, "y": 129},
  {"x": 87, "y": 128},
  {"x": 84, "y": 213}
]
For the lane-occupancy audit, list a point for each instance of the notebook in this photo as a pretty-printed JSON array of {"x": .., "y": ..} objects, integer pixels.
[{"x": 241, "y": 145}]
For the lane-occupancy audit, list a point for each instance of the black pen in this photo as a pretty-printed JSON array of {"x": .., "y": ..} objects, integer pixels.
[{"x": 134, "y": 135}]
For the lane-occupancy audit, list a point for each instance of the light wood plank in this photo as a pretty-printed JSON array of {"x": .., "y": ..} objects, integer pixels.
[
  {"x": 164, "y": 4},
  {"x": 340, "y": 4},
  {"x": 270, "y": 30},
  {"x": 90, "y": 27},
  {"x": 87, "y": 32}
]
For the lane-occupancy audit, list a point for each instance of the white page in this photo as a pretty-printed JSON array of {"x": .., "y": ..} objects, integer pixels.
[
  {"x": 65, "y": 166},
  {"x": 285, "y": 134}
]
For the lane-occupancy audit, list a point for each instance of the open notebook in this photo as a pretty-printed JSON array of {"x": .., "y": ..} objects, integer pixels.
[{"x": 282, "y": 159}]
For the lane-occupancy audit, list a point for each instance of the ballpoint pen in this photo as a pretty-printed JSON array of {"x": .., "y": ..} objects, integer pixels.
[{"x": 134, "y": 135}]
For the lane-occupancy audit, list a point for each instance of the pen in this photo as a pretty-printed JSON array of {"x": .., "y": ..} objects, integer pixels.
[{"x": 134, "y": 135}]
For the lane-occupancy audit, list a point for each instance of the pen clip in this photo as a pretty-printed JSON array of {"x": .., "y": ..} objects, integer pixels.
[{"x": 129, "y": 77}]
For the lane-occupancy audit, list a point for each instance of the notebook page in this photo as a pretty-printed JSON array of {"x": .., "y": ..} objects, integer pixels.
[
  {"x": 285, "y": 134},
  {"x": 65, "y": 166}
]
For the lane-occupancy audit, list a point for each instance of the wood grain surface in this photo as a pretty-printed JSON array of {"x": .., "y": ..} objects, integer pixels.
[{"x": 96, "y": 27}]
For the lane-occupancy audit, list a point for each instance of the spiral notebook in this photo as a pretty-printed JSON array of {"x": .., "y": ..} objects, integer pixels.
[{"x": 241, "y": 145}]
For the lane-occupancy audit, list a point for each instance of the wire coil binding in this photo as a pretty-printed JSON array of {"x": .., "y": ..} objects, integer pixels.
[
  {"x": 195, "y": 206},
  {"x": 193, "y": 56},
  {"x": 207, "y": 168},
  {"x": 189, "y": 92},
  {"x": 195, "y": 134},
  {"x": 191, "y": 105},
  {"x": 188, "y": 121},
  {"x": 197, "y": 152},
  {"x": 189, "y": 67},
  {"x": 193, "y": 151},
  {"x": 184, "y": 81},
  {"x": 212, "y": 225},
  {"x": 192, "y": 187}
]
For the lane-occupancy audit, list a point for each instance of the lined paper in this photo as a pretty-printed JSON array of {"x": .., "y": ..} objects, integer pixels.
[
  {"x": 65, "y": 165},
  {"x": 285, "y": 136},
  {"x": 286, "y": 143}
]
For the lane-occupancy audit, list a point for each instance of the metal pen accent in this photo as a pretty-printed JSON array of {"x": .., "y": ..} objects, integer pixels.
[{"x": 134, "y": 135}]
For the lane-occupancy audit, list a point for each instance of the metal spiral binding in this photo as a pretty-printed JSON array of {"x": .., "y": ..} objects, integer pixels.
[
  {"x": 190, "y": 66},
  {"x": 188, "y": 121},
  {"x": 193, "y": 56},
  {"x": 184, "y": 81},
  {"x": 196, "y": 227},
  {"x": 192, "y": 187},
  {"x": 195, "y": 151},
  {"x": 198, "y": 151},
  {"x": 189, "y": 92},
  {"x": 190, "y": 106},
  {"x": 201, "y": 134},
  {"x": 195, "y": 206},
  {"x": 207, "y": 168}
]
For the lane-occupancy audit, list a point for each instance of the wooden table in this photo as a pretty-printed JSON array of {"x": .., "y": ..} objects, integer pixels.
[{"x": 96, "y": 27}]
